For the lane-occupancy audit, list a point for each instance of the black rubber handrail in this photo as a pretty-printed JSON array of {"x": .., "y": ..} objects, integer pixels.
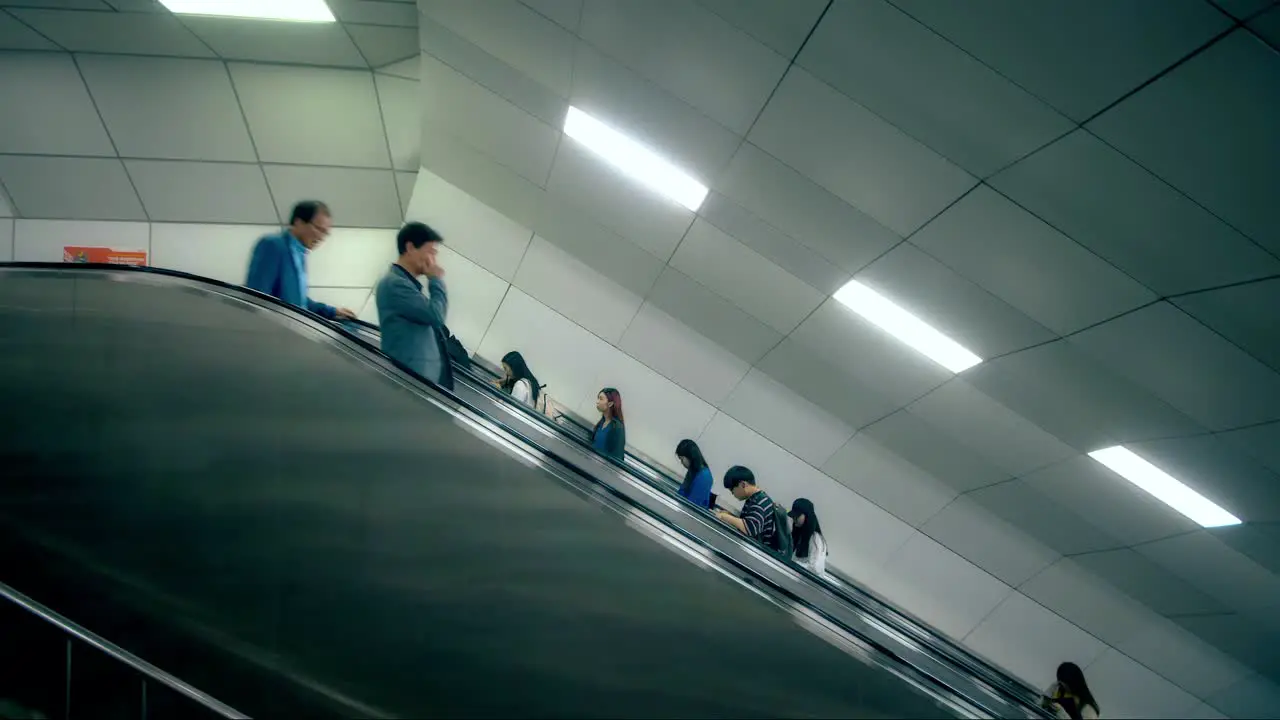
[
  {"x": 897, "y": 619},
  {"x": 268, "y": 302}
]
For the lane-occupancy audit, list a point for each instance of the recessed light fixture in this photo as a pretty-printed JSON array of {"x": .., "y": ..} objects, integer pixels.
[
  {"x": 883, "y": 313},
  {"x": 634, "y": 159},
  {"x": 294, "y": 10},
  {"x": 1164, "y": 487}
]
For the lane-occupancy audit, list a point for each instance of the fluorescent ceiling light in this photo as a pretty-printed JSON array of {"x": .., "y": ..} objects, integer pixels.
[
  {"x": 882, "y": 312},
  {"x": 1166, "y": 489},
  {"x": 634, "y": 159},
  {"x": 295, "y": 10}
]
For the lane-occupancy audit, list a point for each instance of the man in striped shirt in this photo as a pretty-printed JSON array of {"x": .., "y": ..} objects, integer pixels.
[{"x": 757, "y": 519}]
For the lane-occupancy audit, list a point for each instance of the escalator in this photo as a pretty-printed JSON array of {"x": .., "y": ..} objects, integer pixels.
[{"x": 294, "y": 524}]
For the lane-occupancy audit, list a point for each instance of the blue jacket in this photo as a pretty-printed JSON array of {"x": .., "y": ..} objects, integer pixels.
[
  {"x": 412, "y": 324},
  {"x": 698, "y": 491},
  {"x": 273, "y": 270}
]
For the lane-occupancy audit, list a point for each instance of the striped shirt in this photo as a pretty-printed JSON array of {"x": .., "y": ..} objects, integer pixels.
[{"x": 758, "y": 516}]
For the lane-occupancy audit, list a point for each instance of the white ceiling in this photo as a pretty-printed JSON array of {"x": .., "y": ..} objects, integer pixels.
[{"x": 1082, "y": 193}]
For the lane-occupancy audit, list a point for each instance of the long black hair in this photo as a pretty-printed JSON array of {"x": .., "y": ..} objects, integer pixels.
[
  {"x": 1070, "y": 675},
  {"x": 519, "y": 371},
  {"x": 801, "y": 534},
  {"x": 689, "y": 449}
]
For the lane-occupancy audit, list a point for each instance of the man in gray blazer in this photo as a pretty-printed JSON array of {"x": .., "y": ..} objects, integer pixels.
[{"x": 411, "y": 322}]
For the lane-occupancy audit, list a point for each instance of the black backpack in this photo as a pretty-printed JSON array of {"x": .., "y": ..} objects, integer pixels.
[
  {"x": 782, "y": 535},
  {"x": 457, "y": 353}
]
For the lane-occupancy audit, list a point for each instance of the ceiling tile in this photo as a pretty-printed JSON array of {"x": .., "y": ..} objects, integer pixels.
[
  {"x": 565, "y": 13},
  {"x": 1148, "y": 583},
  {"x": 691, "y": 51},
  {"x": 1243, "y": 9},
  {"x": 683, "y": 355},
  {"x": 580, "y": 293},
  {"x": 404, "y": 184},
  {"x": 989, "y": 428},
  {"x": 132, "y": 33},
  {"x": 1081, "y": 598},
  {"x": 513, "y": 33},
  {"x": 1077, "y": 56},
  {"x": 795, "y": 205},
  {"x": 359, "y": 198},
  {"x": 964, "y": 312},
  {"x": 402, "y": 116},
  {"x": 1130, "y": 218},
  {"x": 937, "y": 454},
  {"x": 186, "y": 109},
  {"x": 1132, "y": 690},
  {"x": 1087, "y": 488},
  {"x": 1028, "y": 264},
  {"x": 772, "y": 244},
  {"x": 6, "y": 240},
  {"x": 582, "y": 180},
  {"x": 6, "y": 208},
  {"x": 137, "y": 5},
  {"x": 869, "y": 354},
  {"x": 491, "y": 73},
  {"x": 16, "y": 36},
  {"x": 621, "y": 98},
  {"x": 324, "y": 44},
  {"x": 1210, "y": 565},
  {"x": 927, "y": 87},
  {"x": 1074, "y": 397},
  {"x": 1016, "y": 634},
  {"x": 1240, "y": 635},
  {"x": 381, "y": 45},
  {"x": 856, "y": 155},
  {"x": 712, "y": 316},
  {"x": 59, "y": 4},
  {"x": 1029, "y": 510},
  {"x": 203, "y": 192},
  {"x": 745, "y": 278},
  {"x": 781, "y": 26},
  {"x": 796, "y": 425},
  {"x": 1260, "y": 542},
  {"x": 1243, "y": 314},
  {"x": 410, "y": 69},
  {"x": 938, "y": 586},
  {"x": 600, "y": 249},
  {"x": 480, "y": 233},
  {"x": 854, "y": 400},
  {"x": 1260, "y": 441},
  {"x": 40, "y": 86},
  {"x": 1219, "y": 471},
  {"x": 1175, "y": 653},
  {"x": 888, "y": 480},
  {"x": 1222, "y": 150},
  {"x": 73, "y": 188},
  {"x": 375, "y": 13},
  {"x": 970, "y": 531},
  {"x": 349, "y": 131},
  {"x": 1187, "y": 365},
  {"x": 515, "y": 138},
  {"x": 1268, "y": 26},
  {"x": 481, "y": 176}
]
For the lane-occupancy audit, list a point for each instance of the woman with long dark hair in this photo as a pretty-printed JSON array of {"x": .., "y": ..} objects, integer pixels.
[
  {"x": 610, "y": 434},
  {"x": 806, "y": 536},
  {"x": 518, "y": 381},
  {"x": 696, "y": 487},
  {"x": 1070, "y": 697}
]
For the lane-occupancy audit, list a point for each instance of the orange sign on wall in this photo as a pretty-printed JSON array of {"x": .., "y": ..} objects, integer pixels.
[{"x": 106, "y": 256}]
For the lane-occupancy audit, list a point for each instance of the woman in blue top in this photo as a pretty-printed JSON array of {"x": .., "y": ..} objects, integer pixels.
[
  {"x": 696, "y": 487},
  {"x": 610, "y": 434}
]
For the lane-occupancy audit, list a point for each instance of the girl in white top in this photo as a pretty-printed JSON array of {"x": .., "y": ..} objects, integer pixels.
[
  {"x": 518, "y": 381},
  {"x": 1070, "y": 698},
  {"x": 806, "y": 536}
]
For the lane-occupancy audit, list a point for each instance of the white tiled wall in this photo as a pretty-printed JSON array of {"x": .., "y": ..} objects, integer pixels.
[{"x": 890, "y": 524}]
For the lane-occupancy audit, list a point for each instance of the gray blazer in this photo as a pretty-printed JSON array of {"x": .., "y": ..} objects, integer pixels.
[{"x": 411, "y": 323}]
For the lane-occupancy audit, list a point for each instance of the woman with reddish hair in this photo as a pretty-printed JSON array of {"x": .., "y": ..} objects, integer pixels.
[{"x": 610, "y": 435}]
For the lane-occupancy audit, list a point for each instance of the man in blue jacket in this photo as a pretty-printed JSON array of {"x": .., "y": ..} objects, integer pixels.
[
  {"x": 412, "y": 323},
  {"x": 279, "y": 263}
]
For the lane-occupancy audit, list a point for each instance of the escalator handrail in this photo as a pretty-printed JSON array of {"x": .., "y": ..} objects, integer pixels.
[
  {"x": 119, "y": 654},
  {"x": 374, "y": 355},
  {"x": 897, "y": 619}
]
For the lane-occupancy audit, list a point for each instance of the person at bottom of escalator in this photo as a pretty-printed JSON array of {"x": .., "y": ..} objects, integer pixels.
[
  {"x": 1070, "y": 697},
  {"x": 806, "y": 536},
  {"x": 412, "y": 323},
  {"x": 758, "y": 519},
  {"x": 610, "y": 434},
  {"x": 696, "y": 487},
  {"x": 518, "y": 381}
]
